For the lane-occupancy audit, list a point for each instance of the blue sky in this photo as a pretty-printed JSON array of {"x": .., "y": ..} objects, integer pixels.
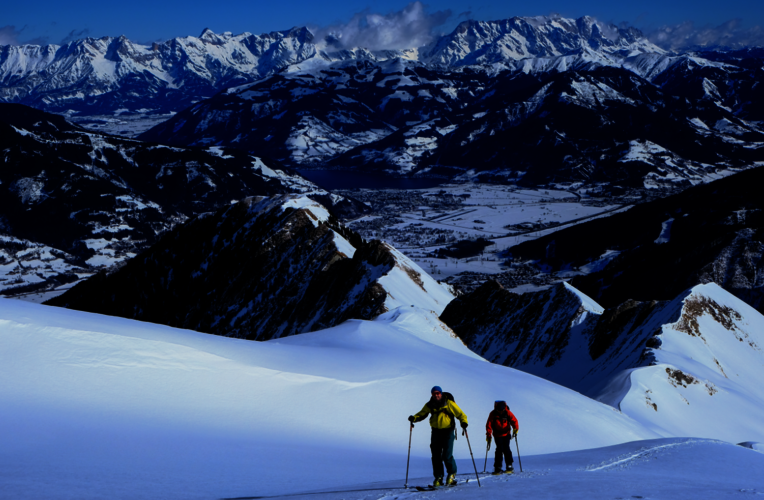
[{"x": 145, "y": 21}]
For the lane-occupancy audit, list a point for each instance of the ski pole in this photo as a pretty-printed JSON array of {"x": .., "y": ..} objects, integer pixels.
[
  {"x": 487, "y": 447},
  {"x": 518, "y": 453},
  {"x": 471, "y": 455},
  {"x": 411, "y": 430}
]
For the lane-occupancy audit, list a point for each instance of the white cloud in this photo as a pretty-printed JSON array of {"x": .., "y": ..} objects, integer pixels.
[
  {"x": 9, "y": 35},
  {"x": 410, "y": 27}
]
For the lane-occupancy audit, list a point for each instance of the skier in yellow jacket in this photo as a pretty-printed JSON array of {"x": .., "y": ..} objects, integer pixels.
[{"x": 442, "y": 420}]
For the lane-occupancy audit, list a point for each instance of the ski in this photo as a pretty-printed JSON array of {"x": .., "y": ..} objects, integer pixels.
[{"x": 430, "y": 487}]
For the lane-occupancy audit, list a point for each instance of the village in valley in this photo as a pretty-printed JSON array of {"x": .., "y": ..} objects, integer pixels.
[{"x": 460, "y": 233}]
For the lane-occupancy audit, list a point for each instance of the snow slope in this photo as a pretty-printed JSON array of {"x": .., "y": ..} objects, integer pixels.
[
  {"x": 692, "y": 366},
  {"x": 658, "y": 469},
  {"x": 706, "y": 378},
  {"x": 96, "y": 406}
]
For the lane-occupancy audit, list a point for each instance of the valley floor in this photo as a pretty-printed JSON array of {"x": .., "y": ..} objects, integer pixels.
[{"x": 426, "y": 224}]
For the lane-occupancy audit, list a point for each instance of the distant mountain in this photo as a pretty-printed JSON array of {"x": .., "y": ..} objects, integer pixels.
[
  {"x": 708, "y": 233},
  {"x": 100, "y": 76},
  {"x": 105, "y": 75},
  {"x": 492, "y": 42},
  {"x": 262, "y": 268},
  {"x": 98, "y": 199},
  {"x": 671, "y": 363}
]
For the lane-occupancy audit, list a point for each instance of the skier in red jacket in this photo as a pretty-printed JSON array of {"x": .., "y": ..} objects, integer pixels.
[{"x": 500, "y": 423}]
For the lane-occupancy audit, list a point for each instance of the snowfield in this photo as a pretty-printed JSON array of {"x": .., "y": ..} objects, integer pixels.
[{"x": 102, "y": 407}]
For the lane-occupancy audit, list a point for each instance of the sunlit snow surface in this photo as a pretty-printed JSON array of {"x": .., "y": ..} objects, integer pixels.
[{"x": 101, "y": 407}]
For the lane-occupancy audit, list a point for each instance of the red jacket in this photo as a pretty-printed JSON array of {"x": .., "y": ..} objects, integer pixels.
[{"x": 500, "y": 423}]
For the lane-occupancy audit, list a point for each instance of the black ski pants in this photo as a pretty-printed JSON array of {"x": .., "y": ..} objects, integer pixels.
[
  {"x": 503, "y": 449},
  {"x": 442, "y": 447}
]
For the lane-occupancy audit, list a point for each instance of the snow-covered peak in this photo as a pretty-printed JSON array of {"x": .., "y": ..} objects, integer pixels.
[
  {"x": 317, "y": 212},
  {"x": 488, "y": 42}
]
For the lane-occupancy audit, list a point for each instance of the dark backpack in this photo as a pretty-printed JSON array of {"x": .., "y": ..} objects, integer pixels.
[{"x": 449, "y": 397}]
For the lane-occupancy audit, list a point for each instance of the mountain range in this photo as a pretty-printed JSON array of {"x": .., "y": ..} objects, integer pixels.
[
  {"x": 104, "y": 75},
  {"x": 580, "y": 115},
  {"x": 100, "y": 75},
  {"x": 539, "y": 100},
  {"x": 536, "y": 101}
]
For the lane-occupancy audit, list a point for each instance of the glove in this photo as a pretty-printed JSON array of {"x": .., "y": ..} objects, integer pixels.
[
  {"x": 488, "y": 440},
  {"x": 411, "y": 418},
  {"x": 516, "y": 431},
  {"x": 463, "y": 424}
]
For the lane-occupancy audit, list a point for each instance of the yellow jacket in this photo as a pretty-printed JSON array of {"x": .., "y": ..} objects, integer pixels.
[{"x": 442, "y": 417}]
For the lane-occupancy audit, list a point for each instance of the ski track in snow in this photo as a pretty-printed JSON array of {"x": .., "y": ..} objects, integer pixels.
[{"x": 643, "y": 454}]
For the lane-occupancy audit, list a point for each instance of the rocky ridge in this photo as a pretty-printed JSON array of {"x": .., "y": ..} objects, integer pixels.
[
  {"x": 262, "y": 268},
  {"x": 691, "y": 356}
]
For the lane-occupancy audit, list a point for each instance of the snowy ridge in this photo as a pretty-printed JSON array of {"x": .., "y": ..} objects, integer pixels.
[
  {"x": 427, "y": 326},
  {"x": 247, "y": 389},
  {"x": 353, "y": 367},
  {"x": 397, "y": 283},
  {"x": 263, "y": 268},
  {"x": 709, "y": 363},
  {"x": 670, "y": 365}
]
